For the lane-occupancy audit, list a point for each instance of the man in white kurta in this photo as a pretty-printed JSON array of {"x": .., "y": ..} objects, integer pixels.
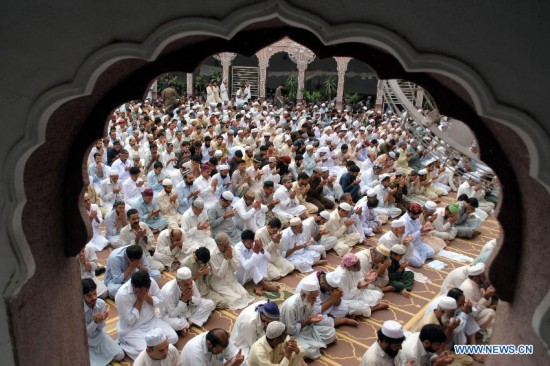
[
  {"x": 102, "y": 348},
  {"x": 224, "y": 264},
  {"x": 133, "y": 186},
  {"x": 395, "y": 236},
  {"x": 360, "y": 296},
  {"x": 298, "y": 314},
  {"x": 421, "y": 251},
  {"x": 96, "y": 218},
  {"x": 114, "y": 222},
  {"x": 454, "y": 279},
  {"x": 172, "y": 246},
  {"x": 300, "y": 252},
  {"x": 479, "y": 297},
  {"x": 271, "y": 236},
  {"x": 288, "y": 205},
  {"x": 207, "y": 186},
  {"x": 111, "y": 190},
  {"x": 341, "y": 226},
  {"x": 194, "y": 224},
  {"x": 183, "y": 304},
  {"x": 314, "y": 227},
  {"x": 87, "y": 259},
  {"x": 250, "y": 212},
  {"x": 251, "y": 323},
  {"x": 212, "y": 348},
  {"x": 168, "y": 204},
  {"x": 386, "y": 351},
  {"x": 159, "y": 351},
  {"x": 137, "y": 301}
]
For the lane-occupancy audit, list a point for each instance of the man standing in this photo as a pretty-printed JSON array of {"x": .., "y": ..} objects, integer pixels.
[
  {"x": 102, "y": 348},
  {"x": 122, "y": 263},
  {"x": 298, "y": 314},
  {"x": 183, "y": 305},
  {"x": 137, "y": 300},
  {"x": 159, "y": 351},
  {"x": 211, "y": 348}
]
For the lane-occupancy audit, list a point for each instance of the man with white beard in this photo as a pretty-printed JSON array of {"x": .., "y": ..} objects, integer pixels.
[
  {"x": 298, "y": 314},
  {"x": 300, "y": 252}
]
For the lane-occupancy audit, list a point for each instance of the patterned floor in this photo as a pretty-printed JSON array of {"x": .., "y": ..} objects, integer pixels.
[{"x": 352, "y": 342}]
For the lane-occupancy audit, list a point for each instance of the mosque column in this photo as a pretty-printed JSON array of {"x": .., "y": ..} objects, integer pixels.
[
  {"x": 302, "y": 57},
  {"x": 225, "y": 59},
  {"x": 302, "y": 66},
  {"x": 379, "y": 104},
  {"x": 189, "y": 85},
  {"x": 341, "y": 66},
  {"x": 263, "y": 63},
  {"x": 419, "y": 98}
]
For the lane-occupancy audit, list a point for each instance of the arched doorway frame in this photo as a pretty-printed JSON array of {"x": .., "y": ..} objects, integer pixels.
[{"x": 469, "y": 84}]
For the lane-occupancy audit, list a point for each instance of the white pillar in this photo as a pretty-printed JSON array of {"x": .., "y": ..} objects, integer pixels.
[
  {"x": 341, "y": 66},
  {"x": 379, "y": 105},
  {"x": 302, "y": 66},
  {"x": 189, "y": 85}
]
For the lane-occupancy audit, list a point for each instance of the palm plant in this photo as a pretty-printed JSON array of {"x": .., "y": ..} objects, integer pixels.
[
  {"x": 292, "y": 86},
  {"x": 329, "y": 87}
]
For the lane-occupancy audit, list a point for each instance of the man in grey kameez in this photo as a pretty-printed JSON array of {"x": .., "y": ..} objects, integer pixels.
[
  {"x": 102, "y": 348},
  {"x": 301, "y": 321},
  {"x": 221, "y": 218}
]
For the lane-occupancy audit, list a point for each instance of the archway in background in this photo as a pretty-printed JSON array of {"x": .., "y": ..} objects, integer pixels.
[{"x": 82, "y": 122}]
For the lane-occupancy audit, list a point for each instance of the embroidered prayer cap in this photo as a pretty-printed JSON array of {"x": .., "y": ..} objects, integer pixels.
[
  {"x": 415, "y": 208},
  {"x": 453, "y": 208},
  {"x": 269, "y": 309},
  {"x": 345, "y": 206},
  {"x": 430, "y": 205},
  {"x": 154, "y": 337},
  {"x": 295, "y": 221},
  {"x": 274, "y": 329},
  {"x": 310, "y": 284},
  {"x": 309, "y": 147},
  {"x": 392, "y": 329},
  {"x": 228, "y": 196},
  {"x": 166, "y": 182},
  {"x": 333, "y": 279},
  {"x": 325, "y": 215},
  {"x": 398, "y": 249},
  {"x": 147, "y": 192},
  {"x": 183, "y": 273},
  {"x": 223, "y": 167},
  {"x": 218, "y": 153},
  {"x": 476, "y": 269},
  {"x": 371, "y": 192},
  {"x": 198, "y": 203},
  {"x": 382, "y": 249},
  {"x": 349, "y": 260},
  {"x": 447, "y": 303}
]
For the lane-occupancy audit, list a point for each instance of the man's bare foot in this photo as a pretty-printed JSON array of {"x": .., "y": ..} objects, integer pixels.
[
  {"x": 388, "y": 289},
  {"x": 270, "y": 287},
  {"x": 345, "y": 321},
  {"x": 322, "y": 262},
  {"x": 406, "y": 293},
  {"x": 380, "y": 306},
  {"x": 258, "y": 290}
]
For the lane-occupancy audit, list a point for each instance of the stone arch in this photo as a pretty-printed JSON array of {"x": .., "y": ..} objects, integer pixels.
[{"x": 113, "y": 75}]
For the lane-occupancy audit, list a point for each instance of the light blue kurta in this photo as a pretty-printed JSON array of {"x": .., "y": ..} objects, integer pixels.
[{"x": 103, "y": 349}]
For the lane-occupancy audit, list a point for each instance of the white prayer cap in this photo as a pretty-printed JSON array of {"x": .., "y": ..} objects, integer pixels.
[
  {"x": 447, "y": 303},
  {"x": 218, "y": 153},
  {"x": 309, "y": 147},
  {"x": 228, "y": 196},
  {"x": 274, "y": 329},
  {"x": 310, "y": 284},
  {"x": 476, "y": 269},
  {"x": 272, "y": 159},
  {"x": 325, "y": 215},
  {"x": 183, "y": 273},
  {"x": 166, "y": 182},
  {"x": 399, "y": 171},
  {"x": 391, "y": 154},
  {"x": 345, "y": 206},
  {"x": 155, "y": 337},
  {"x": 371, "y": 192},
  {"x": 295, "y": 221},
  {"x": 113, "y": 171},
  {"x": 384, "y": 176},
  {"x": 430, "y": 205},
  {"x": 397, "y": 223},
  {"x": 392, "y": 329},
  {"x": 324, "y": 169},
  {"x": 324, "y": 149},
  {"x": 333, "y": 279},
  {"x": 382, "y": 249},
  {"x": 430, "y": 161},
  {"x": 223, "y": 167},
  {"x": 212, "y": 104},
  {"x": 398, "y": 249},
  {"x": 198, "y": 203},
  {"x": 422, "y": 172}
]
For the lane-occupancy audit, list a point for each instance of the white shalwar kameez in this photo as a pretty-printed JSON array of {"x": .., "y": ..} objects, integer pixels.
[
  {"x": 172, "y": 359},
  {"x": 195, "y": 353},
  {"x": 287, "y": 207},
  {"x": 196, "y": 238},
  {"x": 358, "y": 300},
  {"x": 98, "y": 240},
  {"x": 311, "y": 337},
  {"x": 253, "y": 265},
  {"x": 301, "y": 259},
  {"x": 102, "y": 348},
  {"x": 225, "y": 283},
  {"x": 178, "y": 313},
  {"x": 248, "y": 218},
  {"x": 134, "y": 324},
  {"x": 89, "y": 254},
  {"x": 347, "y": 236},
  {"x": 248, "y": 328},
  {"x": 208, "y": 194},
  {"x": 167, "y": 256},
  {"x": 421, "y": 251},
  {"x": 278, "y": 265},
  {"x": 385, "y": 208}
]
